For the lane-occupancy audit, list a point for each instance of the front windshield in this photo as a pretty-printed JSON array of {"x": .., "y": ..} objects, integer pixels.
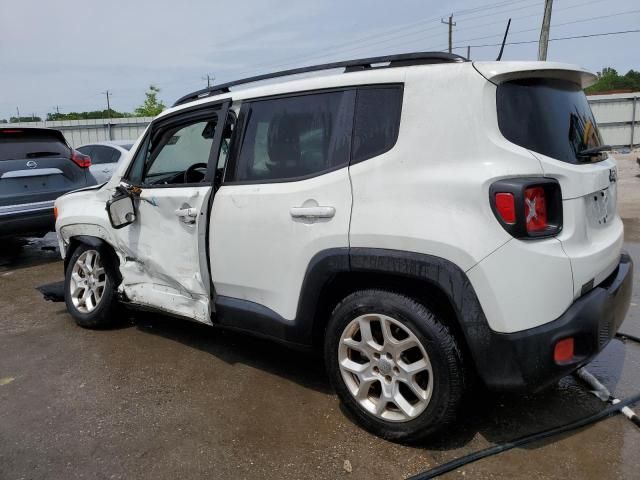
[{"x": 551, "y": 117}]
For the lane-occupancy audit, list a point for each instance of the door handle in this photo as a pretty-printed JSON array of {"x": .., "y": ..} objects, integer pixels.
[
  {"x": 187, "y": 215},
  {"x": 312, "y": 212}
]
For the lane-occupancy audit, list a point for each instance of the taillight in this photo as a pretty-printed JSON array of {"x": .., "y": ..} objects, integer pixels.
[
  {"x": 80, "y": 159},
  {"x": 528, "y": 207},
  {"x": 535, "y": 209},
  {"x": 506, "y": 206}
]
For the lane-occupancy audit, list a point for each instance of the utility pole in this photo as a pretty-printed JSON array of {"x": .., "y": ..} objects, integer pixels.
[
  {"x": 210, "y": 79},
  {"x": 18, "y": 112},
  {"x": 107, "y": 93},
  {"x": 451, "y": 24},
  {"x": 108, "y": 115},
  {"x": 468, "y": 52},
  {"x": 543, "y": 43},
  {"x": 57, "y": 109}
]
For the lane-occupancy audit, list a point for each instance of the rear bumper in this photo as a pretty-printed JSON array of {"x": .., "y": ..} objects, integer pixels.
[
  {"x": 524, "y": 360},
  {"x": 35, "y": 218}
]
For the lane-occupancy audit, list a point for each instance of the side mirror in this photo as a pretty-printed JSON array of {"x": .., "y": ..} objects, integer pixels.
[{"x": 121, "y": 209}]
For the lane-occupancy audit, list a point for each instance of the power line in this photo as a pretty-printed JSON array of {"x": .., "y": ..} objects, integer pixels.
[
  {"x": 366, "y": 40},
  {"x": 622, "y": 32},
  {"x": 555, "y": 25},
  {"x": 385, "y": 41}
]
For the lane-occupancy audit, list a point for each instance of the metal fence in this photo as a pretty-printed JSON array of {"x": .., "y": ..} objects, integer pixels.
[
  {"x": 618, "y": 117},
  {"x": 80, "y": 132}
]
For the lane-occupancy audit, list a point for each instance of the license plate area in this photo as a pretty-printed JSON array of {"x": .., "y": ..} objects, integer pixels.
[{"x": 601, "y": 207}]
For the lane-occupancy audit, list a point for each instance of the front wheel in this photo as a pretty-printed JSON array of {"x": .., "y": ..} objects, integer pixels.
[
  {"x": 394, "y": 364},
  {"x": 89, "y": 288}
]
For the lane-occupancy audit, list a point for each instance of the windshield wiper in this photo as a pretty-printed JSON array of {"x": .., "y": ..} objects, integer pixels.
[
  {"x": 592, "y": 152},
  {"x": 41, "y": 154}
]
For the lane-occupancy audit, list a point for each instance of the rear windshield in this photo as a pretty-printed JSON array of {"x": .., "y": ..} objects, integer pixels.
[
  {"x": 18, "y": 144},
  {"x": 551, "y": 117}
]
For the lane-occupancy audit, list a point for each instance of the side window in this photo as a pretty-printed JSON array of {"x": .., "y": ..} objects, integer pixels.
[
  {"x": 377, "y": 121},
  {"x": 115, "y": 155},
  {"x": 101, "y": 154},
  {"x": 292, "y": 137},
  {"x": 86, "y": 150},
  {"x": 168, "y": 152}
]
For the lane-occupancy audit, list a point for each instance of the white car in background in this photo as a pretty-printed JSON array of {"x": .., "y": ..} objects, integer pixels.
[{"x": 105, "y": 156}]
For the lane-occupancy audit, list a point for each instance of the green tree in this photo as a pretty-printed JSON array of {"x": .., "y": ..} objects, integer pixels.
[
  {"x": 151, "y": 106},
  {"x": 87, "y": 115},
  {"x": 609, "y": 80},
  {"x": 24, "y": 119}
]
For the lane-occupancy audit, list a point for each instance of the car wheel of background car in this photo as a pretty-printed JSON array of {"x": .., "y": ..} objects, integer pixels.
[
  {"x": 394, "y": 364},
  {"x": 89, "y": 288}
]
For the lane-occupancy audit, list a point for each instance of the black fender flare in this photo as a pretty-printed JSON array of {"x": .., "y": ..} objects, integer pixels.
[
  {"x": 325, "y": 265},
  {"x": 99, "y": 244}
]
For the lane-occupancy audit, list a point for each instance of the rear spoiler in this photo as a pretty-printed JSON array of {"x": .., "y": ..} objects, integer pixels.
[{"x": 498, "y": 72}]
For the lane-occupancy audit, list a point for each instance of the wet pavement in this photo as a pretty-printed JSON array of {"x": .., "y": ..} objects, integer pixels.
[{"x": 163, "y": 398}]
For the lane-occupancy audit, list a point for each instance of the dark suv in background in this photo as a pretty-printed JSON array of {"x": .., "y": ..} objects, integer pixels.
[{"x": 36, "y": 167}]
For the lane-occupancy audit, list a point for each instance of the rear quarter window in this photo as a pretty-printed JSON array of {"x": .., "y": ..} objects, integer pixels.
[
  {"x": 377, "y": 121},
  {"x": 551, "y": 117}
]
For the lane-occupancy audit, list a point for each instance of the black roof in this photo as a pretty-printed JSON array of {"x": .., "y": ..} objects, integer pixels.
[{"x": 401, "y": 60}]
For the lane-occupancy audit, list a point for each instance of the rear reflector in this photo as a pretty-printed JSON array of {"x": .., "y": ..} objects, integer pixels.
[
  {"x": 506, "y": 206},
  {"x": 535, "y": 209},
  {"x": 80, "y": 159},
  {"x": 563, "y": 351}
]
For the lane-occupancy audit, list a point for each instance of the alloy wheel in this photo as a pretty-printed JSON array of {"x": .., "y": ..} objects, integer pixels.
[
  {"x": 88, "y": 281},
  {"x": 385, "y": 367}
]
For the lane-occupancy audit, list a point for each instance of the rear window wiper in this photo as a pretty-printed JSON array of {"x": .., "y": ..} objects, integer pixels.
[
  {"x": 592, "y": 152},
  {"x": 41, "y": 154}
]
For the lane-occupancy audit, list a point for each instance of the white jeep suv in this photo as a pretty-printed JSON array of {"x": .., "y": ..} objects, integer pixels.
[{"x": 419, "y": 218}]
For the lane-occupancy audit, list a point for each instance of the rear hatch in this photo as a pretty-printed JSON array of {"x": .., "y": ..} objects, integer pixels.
[
  {"x": 545, "y": 111},
  {"x": 36, "y": 166}
]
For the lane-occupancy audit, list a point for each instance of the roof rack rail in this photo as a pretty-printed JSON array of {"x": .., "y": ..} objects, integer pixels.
[{"x": 401, "y": 60}]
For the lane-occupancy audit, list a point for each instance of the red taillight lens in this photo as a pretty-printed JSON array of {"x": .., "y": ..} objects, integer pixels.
[
  {"x": 506, "y": 206},
  {"x": 80, "y": 159},
  {"x": 563, "y": 351},
  {"x": 535, "y": 209}
]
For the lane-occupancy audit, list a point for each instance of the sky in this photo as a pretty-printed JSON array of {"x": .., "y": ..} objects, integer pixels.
[{"x": 66, "y": 53}]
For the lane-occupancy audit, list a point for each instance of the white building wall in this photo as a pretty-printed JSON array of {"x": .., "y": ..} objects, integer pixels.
[{"x": 617, "y": 118}]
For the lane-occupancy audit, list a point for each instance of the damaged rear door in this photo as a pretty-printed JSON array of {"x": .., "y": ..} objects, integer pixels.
[{"x": 171, "y": 181}]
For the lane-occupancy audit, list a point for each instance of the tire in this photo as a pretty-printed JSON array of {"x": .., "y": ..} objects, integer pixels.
[
  {"x": 378, "y": 371},
  {"x": 89, "y": 270}
]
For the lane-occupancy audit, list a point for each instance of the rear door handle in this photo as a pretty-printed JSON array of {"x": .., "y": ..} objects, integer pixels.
[
  {"x": 187, "y": 215},
  {"x": 312, "y": 212}
]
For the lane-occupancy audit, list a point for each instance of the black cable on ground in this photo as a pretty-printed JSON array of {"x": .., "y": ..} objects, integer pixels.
[
  {"x": 525, "y": 440},
  {"x": 627, "y": 336}
]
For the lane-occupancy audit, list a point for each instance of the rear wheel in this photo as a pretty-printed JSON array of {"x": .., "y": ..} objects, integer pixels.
[
  {"x": 394, "y": 364},
  {"x": 89, "y": 291}
]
